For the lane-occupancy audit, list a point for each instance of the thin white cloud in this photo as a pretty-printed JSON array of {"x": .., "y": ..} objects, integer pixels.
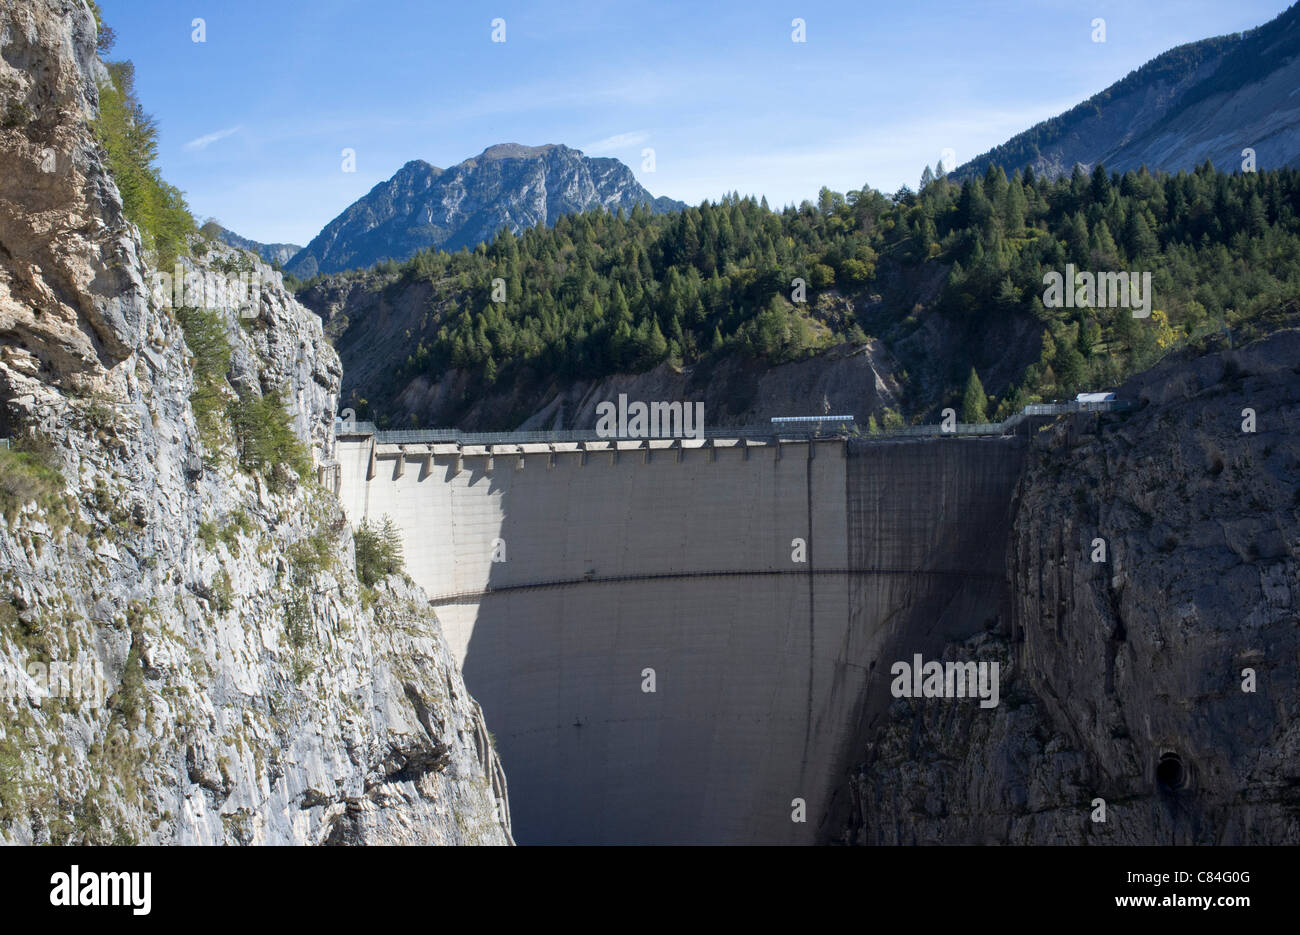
[
  {"x": 616, "y": 142},
  {"x": 203, "y": 142},
  {"x": 890, "y": 155}
]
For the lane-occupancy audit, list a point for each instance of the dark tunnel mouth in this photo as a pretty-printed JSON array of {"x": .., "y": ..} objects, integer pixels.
[{"x": 1171, "y": 775}]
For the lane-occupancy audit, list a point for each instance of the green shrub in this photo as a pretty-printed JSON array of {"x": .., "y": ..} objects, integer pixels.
[
  {"x": 310, "y": 555},
  {"x": 129, "y": 138},
  {"x": 208, "y": 535},
  {"x": 379, "y": 551},
  {"x": 297, "y": 622},
  {"x": 205, "y": 335},
  {"x": 223, "y": 593},
  {"x": 132, "y": 693},
  {"x": 240, "y": 262},
  {"x": 98, "y": 417},
  {"x": 238, "y": 522},
  {"x": 265, "y": 438},
  {"x": 109, "y": 503},
  {"x": 263, "y": 431},
  {"x": 28, "y": 474}
]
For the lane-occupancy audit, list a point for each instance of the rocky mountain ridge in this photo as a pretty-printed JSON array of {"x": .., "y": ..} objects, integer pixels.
[
  {"x": 1206, "y": 100},
  {"x": 273, "y": 253},
  {"x": 507, "y": 185}
]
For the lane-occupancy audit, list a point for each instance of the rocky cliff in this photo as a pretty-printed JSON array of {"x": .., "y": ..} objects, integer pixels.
[
  {"x": 1161, "y": 678},
  {"x": 507, "y": 185},
  {"x": 186, "y": 655}
]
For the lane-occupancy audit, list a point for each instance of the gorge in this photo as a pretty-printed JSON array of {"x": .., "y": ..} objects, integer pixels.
[
  {"x": 564, "y": 571},
  {"x": 620, "y": 640}
]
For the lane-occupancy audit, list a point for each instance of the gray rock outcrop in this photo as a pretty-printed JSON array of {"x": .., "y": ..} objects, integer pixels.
[
  {"x": 225, "y": 678},
  {"x": 1125, "y": 679}
]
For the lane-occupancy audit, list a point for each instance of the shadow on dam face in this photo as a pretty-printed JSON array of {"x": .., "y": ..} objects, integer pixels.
[{"x": 654, "y": 663}]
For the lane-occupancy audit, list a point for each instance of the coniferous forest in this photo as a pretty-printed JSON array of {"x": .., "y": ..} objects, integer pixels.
[{"x": 602, "y": 293}]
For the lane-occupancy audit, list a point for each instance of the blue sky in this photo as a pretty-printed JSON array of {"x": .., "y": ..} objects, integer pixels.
[{"x": 254, "y": 119}]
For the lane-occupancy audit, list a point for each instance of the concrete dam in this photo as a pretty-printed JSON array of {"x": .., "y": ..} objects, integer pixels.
[{"x": 674, "y": 640}]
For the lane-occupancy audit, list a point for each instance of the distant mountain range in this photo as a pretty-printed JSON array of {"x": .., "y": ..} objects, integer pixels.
[
  {"x": 1210, "y": 99},
  {"x": 412, "y": 358},
  {"x": 1204, "y": 100},
  {"x": 269, "y": 252},
  {"x": 506, "y": 185}
]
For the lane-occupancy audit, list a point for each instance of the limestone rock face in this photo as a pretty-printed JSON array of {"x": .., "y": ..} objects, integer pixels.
[
  {"x": 186, "y": 655},
  {"x": 72, "y": 303},
  {"x": 1111, "y": 667}
]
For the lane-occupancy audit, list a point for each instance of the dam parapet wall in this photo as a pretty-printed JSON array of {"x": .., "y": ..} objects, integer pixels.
[{"x": 801, "y": 428}]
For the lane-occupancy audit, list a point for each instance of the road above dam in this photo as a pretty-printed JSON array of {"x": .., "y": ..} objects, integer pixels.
[{"x": 677, "y": 641}]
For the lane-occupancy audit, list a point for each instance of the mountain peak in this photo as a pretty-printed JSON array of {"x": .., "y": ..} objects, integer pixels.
[
  {"x": 418, "y": 165},
  {"x": 518, "y": 151},
  {"x": 507, "y": 185}
]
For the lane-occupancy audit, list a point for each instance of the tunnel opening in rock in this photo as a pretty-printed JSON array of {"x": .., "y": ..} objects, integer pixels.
[{"x": 1170, "y": 772}]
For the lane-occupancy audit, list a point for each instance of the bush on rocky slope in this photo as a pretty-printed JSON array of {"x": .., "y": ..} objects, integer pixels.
[
  {"x": 129, "y": 137},
  {"x": 27, "y": 475}
]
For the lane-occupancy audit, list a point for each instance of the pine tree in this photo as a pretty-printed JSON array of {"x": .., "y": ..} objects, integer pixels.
[
  {"x": 1258, "y": 220},
  {"x": 658, "y": 346},
  {"x": 1099, "y": 186},
  {"x": 1104, "y": 253},
  {"x": 974, "y": 402},
  {"x": 1077, "y": 237},
  {"x": 1014, "y": 206},
  {"x": 1138, "y": 239}
]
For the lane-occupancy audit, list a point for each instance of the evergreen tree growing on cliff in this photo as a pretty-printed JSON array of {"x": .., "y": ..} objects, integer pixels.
[
  {"x": 974, "y": 401},
  {"x": 378, "y": 551},
  {"x": 129, "y": 139}
]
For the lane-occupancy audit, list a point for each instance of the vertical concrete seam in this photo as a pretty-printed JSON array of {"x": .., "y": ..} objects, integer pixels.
[{"x": 812, "y": 602}]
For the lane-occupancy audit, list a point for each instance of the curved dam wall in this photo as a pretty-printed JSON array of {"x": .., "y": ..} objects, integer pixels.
[{"x": 561, "y": 577}]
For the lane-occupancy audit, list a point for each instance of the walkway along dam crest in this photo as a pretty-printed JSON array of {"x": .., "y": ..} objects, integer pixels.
[{"x": 678, "y": 556}]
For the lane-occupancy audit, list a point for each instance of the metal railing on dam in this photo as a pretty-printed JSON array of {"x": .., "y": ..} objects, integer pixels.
[{"x": 812, "y": 429}]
